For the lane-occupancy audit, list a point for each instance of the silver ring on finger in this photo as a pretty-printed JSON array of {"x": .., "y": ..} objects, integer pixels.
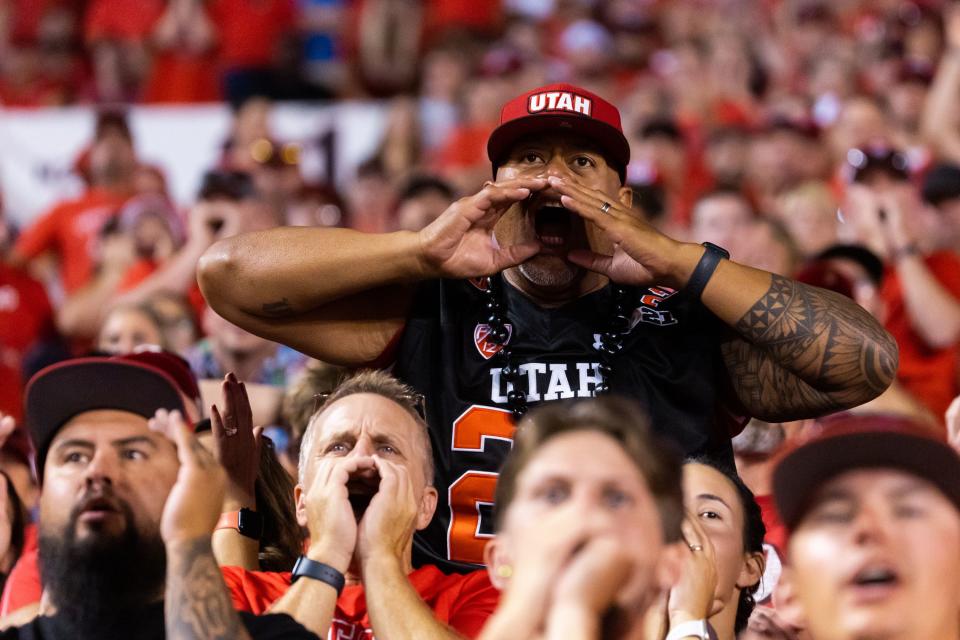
[{"x": 605, "y": 207}]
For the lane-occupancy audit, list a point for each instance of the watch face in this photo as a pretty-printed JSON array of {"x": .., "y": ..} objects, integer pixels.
[{"x": 250, "y": 523}]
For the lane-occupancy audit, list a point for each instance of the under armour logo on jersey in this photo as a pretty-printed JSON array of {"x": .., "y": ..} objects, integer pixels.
[
  {"x": 485, "y": 345},
  {"x": 559, "y": 101}
]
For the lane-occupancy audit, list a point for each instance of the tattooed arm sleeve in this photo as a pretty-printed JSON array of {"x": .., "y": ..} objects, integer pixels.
[
  {"x": 197, "y": 603},
  {"x": 801, "y": 351}
]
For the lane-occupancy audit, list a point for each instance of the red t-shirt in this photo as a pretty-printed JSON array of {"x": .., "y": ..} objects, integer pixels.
[
  {"x": 25, "y": 316},
  {"x": 70, "y": 230},
  {"x": 180, "y": 78},
  {"x": 462, "y": 601},
  {"x": 250, "y": 29},
  {"x": 123, "y": 20},
  {"x": 23, "y": 584},
  {"x": 929, "y": 374}
]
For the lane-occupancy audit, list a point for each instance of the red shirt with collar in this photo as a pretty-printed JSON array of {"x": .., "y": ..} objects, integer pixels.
[
  {"x": 462, "y": 601},
  {"x": 70, "y": 230}
]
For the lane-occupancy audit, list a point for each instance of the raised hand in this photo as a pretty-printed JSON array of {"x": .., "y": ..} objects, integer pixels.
[
  {"x": 460, "y": 243},
  {"x": 594, "y": 576},
  {"x": 194, "y": 503},
  {"x": 641, "y": 254},
  {"x": 330, "y": 517},
  {"x": 862, "y": 223},
  {"x": 236, "y": 443},
  {"x": 543, "y": 553},
  {"x": 692, "y": 597}
]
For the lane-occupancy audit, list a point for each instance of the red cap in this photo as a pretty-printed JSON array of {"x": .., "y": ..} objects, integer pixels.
[
  {"x": 561, "y": 107},
  {"x": 857, "y": 441},
  {"x": 171, "y": 364},
  {"x": 139, "y": 383}
]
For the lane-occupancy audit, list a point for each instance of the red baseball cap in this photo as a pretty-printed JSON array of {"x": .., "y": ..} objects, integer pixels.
[
  {"x": 129, "y": 382},
  {"x": 561, "y": 107},
  {"x": 857, "y": 441}
]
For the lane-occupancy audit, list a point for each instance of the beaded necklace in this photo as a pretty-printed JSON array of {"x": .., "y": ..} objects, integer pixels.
[{"x": 611, "y": 343}]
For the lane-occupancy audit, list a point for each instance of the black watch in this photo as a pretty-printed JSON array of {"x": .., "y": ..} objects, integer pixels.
[
  {"x": 246, "y": 521},
  {"x": 704, "y": 269},
  {"x": 318, "y": 571}
]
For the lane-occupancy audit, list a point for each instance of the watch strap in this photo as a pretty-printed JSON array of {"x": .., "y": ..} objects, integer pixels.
[
  {"x": 247, "y": 522},
  {"x": 690, "y": 629},
  {"x": 318, "y": 571},
  {"x": 704, "y": 270}
]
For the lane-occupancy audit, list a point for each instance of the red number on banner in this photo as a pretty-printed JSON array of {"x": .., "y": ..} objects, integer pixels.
[{"x": 471, "y": 430}]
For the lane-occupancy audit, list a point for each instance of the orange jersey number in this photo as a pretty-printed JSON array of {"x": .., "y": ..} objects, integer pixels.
[{"x": 471, "y": 430}]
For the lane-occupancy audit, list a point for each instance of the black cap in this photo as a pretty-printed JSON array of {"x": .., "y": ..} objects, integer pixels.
[
  {"x": 64, "y": 390},
  {"x": 861, "y": 441},
  {"x": 941, "y": 183},
  {"x": 868, "y": 260}
]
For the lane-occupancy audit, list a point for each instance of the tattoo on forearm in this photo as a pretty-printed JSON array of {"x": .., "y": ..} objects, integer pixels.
[
  {"x": 277, "y": 309},
  {"x": 808, "y": 351},
  {"x": 197, "y": 603}
]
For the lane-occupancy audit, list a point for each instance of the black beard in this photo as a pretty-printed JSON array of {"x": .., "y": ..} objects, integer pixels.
[{"x": 103, "y": 582}]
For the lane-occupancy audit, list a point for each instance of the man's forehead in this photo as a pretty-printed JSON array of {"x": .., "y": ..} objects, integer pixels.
[
  {"x": 859, "y": 483},
  {"x": 103, "y": 424},
  {"x": 365, "y": 410},
  {"x": 559, "y": 457},
  {"x": 557, "y": 138}
]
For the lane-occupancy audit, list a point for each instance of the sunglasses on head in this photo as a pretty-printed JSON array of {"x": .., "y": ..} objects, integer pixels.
[{"x": 416, "y": 400}]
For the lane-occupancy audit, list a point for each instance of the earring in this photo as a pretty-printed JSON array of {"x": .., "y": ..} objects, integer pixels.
[{"x": 504, "y": 571}]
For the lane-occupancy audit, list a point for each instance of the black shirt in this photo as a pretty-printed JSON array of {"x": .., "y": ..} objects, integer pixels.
[
  {"x": 670, "y": 363},
  {"x": 148, "y": 624}
]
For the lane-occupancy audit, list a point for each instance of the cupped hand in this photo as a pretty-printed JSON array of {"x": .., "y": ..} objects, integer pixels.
[
  {"x": 641, "y": 254},
  {"x": 330, "y": 517},
  {"x": 388, "y": 524},
  {"x": 460, "y": 243},
  {"x": 692, "y": 597},
  {"x": 594, "y": 575}
]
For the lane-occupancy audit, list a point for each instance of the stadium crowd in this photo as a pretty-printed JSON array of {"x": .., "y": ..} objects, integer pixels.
[{"x": 685, "y": 364}]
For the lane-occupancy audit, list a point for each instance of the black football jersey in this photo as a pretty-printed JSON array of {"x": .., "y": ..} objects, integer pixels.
[{"x": 670, "y": 363}]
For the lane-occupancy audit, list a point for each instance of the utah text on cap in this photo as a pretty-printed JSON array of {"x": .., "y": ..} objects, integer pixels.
[{"x": 559, "y": 101}]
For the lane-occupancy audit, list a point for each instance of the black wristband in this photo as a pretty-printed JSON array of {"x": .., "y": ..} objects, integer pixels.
[
  {"x": 318, "y": 571},
  {"x": 704, "y": 269}
]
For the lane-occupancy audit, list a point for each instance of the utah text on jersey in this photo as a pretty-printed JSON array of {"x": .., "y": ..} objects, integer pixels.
[{"x": 549, "y": 381}]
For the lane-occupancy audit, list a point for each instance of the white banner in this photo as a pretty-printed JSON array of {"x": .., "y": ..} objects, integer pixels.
[{"x": 38, "y": 147}]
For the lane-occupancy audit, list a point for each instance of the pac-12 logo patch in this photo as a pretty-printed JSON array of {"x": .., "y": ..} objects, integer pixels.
[{"x": 485, "y": 344}]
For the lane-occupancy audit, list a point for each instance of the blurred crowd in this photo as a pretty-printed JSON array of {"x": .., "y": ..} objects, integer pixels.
[
  {"x": 818, "y": 140},
  {"x": 776, "y": 130}
]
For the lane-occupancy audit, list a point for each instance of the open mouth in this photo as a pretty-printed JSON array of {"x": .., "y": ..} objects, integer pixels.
[
  {"x": 360, "y": 491},
  {"x": 553, "y": 224},
  {"x": 875, "y": 582},
  {"x": 97, "y": 509}
]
